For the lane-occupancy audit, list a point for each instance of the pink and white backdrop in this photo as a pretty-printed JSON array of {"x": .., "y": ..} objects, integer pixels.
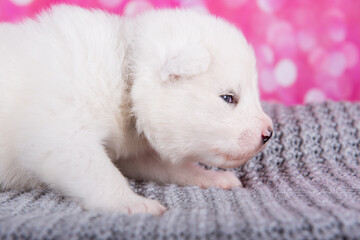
[{"x": 307, "y": 50}]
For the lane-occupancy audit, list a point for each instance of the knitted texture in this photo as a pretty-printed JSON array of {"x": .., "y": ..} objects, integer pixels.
[{"x": 304, "y": 185}]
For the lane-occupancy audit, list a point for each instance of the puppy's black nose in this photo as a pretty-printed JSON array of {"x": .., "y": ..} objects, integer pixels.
[{"x": 266, "y": 135}]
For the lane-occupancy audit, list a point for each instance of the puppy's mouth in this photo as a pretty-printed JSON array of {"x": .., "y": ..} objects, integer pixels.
[
  {"x": 227, "y": 156},
  {"x": 228, "y": 160},
  {"x": 223, "y": 159}
]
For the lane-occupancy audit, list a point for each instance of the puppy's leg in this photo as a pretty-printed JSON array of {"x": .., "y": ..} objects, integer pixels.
[
  {"x": 189, "y": 173},
  {"x": 78, "y": 166}
]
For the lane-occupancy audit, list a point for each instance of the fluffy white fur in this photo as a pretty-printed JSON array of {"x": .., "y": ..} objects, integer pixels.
[{"x": 87, "y": 98}]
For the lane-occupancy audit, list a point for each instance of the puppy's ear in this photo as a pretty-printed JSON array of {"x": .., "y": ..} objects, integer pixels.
[{"x": 185, "y": 62}]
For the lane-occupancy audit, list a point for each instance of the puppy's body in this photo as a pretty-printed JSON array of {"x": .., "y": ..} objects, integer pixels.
[{"x": 83, "y": 91}]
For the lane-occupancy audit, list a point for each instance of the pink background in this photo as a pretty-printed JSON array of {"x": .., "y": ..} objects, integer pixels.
[{"x": 308, "y": 50}]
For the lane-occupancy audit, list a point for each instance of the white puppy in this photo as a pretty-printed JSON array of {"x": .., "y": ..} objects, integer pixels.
[{"x": 84, "y": 91}]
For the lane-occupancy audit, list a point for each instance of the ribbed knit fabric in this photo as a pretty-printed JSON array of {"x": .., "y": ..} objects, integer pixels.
[{"x": 304, "y": 185}]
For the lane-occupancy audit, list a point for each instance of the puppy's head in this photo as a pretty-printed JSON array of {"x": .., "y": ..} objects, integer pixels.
[{"x": 195, "y": 94}]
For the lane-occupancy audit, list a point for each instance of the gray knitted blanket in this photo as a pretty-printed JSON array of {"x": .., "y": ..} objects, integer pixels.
[{"x": 304, "y": 185}]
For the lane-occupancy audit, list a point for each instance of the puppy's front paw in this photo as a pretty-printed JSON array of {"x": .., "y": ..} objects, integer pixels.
[
  {"x": 225, "y": 180},
  {"x": 139, "y": 204},
  {"x": 128, "y": 204}
]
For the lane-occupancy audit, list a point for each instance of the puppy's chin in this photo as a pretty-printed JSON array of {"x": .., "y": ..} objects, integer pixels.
[
  {"x": 215, "y": 157},
  {"x": 225, "y": 160}
]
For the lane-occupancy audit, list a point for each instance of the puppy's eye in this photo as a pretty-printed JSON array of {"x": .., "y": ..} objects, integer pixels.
[{"x": 229, "y": 98}]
